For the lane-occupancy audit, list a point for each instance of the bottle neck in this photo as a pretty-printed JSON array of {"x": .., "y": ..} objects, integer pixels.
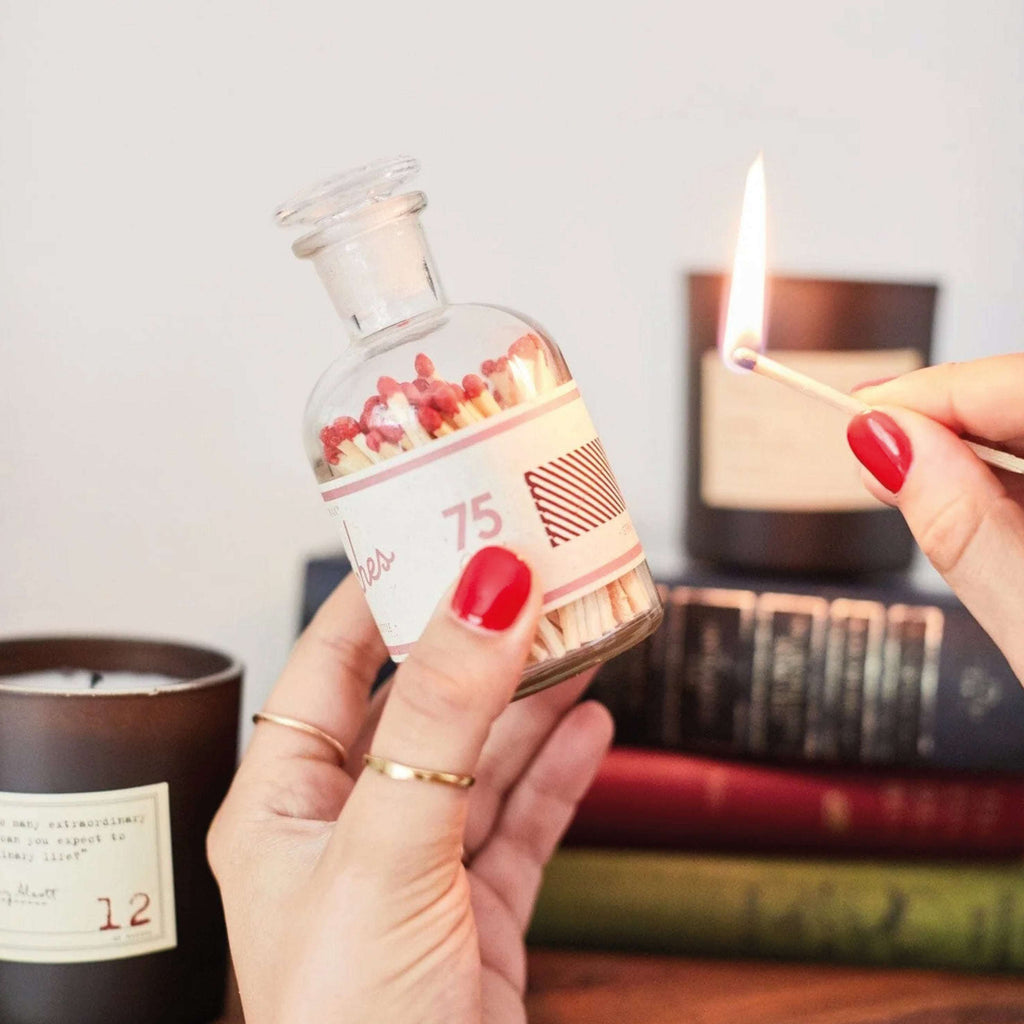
[{"x": 380, "y": 277}]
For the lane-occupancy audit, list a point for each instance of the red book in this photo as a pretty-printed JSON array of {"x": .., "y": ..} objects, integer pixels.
[{"x": 648, "y": 798}]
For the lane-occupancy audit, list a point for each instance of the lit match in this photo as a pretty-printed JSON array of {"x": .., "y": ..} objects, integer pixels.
[{"x": 744, "y": 321}]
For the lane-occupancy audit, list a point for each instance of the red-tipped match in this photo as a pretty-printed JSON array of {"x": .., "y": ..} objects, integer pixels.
[
  {"x": 422, "y": 385},
  {"x": 524, "y": 347},
  {"x": 430, "y": 419},
  {"x": 333, "y": 456},
  {"x": 501, "y": 364},
  {"x": 444, "y": 400},
  {"x": 459, "y": 393},
  {"x": 487, "y": 367},
  {"x": 414, "y": 395},
  {"x": 373, "y": 440},
  {"x": 370, "y": 407},
  {"x": 390, "y": 432},
  {"x": 388, "y": 386},
  {"x": 473, "y": 385},
  {"x": 344, "y": 428},
  {"x": 347, "y": 427},
  {"x": 424, "y": 365}
]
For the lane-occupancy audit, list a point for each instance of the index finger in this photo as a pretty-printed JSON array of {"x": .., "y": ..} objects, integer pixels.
[
  {"x": 984, "y": 397},
  {"x": 326, "y": 683}
]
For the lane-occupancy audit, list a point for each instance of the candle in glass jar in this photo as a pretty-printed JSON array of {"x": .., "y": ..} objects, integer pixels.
[{"x": 114, "y": 755}]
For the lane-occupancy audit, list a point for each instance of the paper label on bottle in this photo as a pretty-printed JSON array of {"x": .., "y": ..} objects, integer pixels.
[
  {"x": 766, "y": 448},
  {"x": 86, "y": 876},
  {"x": 533, "y": 478}
]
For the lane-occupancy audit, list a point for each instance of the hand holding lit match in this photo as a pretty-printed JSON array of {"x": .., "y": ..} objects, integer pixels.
[
  {"x": 743, "y": 333},
  {"x": 909, "y": 434},
  {"x": 967, "y": 520}
]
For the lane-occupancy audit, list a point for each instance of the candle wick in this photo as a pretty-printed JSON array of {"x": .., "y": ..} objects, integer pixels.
[{"x": 94, "y": 679}]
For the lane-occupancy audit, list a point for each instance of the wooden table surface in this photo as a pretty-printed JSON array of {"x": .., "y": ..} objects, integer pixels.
[{"x": 613, "y": 988}]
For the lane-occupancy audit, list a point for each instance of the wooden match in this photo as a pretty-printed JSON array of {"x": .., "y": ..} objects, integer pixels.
[{"x": 748, "y": 359}]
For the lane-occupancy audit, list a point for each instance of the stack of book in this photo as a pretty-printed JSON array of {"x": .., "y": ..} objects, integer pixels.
[{"x": 808, "y": 772}]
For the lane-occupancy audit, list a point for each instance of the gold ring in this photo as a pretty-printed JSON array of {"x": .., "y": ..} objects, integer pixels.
[
  {"x": 309, "y": 730},
  {"x": 404, "y": 772}
]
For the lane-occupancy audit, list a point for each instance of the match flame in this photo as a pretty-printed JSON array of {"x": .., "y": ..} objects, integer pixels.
[{"x": 744, "y": 318}]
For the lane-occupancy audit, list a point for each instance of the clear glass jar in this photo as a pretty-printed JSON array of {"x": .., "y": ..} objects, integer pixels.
[{"x": 444, "y": 428}]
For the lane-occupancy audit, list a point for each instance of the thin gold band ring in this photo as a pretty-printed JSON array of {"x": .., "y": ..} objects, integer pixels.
[
  {"x": 309, "y": 730},
  {"x": 405, "y": 772}
]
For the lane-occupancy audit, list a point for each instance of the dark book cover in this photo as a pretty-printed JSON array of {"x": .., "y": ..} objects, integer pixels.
[{"x": 789, "y": 670}]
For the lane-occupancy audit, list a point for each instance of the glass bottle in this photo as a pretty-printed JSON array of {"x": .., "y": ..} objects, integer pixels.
[{"x": 444, "y": 428}]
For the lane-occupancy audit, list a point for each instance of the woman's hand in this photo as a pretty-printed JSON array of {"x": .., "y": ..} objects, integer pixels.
[
  {"x": 352, "y": 896},
  {"x": 967, "y": 517}
]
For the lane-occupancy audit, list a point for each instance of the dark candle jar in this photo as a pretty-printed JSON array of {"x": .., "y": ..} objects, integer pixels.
[
  {"x": 114, "y": 756},
  {"x": 771, "y": 483}
]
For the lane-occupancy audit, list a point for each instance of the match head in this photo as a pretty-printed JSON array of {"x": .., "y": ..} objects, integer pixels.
[
  {"x": 424, "y": 365},
  {"x": 524, "y": 347},
  {"x": 744, "y": 358},
  {"x": 348, "y": 427},
  {"x": 444, "y": 400},
  {"x": 373, "y": 440},
  {"x": 421, "y": 385},
  {"x": 430, "y": 419},
  {"x": 414, "y": 394},
  {"x": 377, "y": 416},
  {"x": 388, "y": 386},
  {"x": 487, "y": 367},
  {"x": 344, "y": 428},
  {"x": 390, "y": 432},
  {"x": 369, "y": 413},
  {"x": 473, "y": 385}
]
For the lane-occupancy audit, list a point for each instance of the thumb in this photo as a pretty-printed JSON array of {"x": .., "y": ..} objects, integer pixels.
[
  {"x": 457, "y": 679},
  {"x": 960, "y": 513}
]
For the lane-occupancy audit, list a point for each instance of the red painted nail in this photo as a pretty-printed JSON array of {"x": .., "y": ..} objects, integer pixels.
[
  {"x": 493, "y": 589},
  {"x": 881, "y": 447}
]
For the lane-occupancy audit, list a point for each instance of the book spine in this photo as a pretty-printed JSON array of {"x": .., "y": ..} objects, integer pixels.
[
  {"x": 652, "y": 799},
  {"x": 947, "y": 916},
  {"x": 823, "y": 675}
]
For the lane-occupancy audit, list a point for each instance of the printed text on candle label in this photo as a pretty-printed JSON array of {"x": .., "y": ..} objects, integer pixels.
[{"x": 85, "y": 876}]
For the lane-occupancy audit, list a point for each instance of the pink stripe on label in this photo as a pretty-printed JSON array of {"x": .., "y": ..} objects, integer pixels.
[
  {"x": 636, "y": 551},
  {"x": 449, "y": 447}
]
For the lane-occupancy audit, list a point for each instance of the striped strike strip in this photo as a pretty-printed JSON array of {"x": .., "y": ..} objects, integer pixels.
[{"x": 575, "y": 493}]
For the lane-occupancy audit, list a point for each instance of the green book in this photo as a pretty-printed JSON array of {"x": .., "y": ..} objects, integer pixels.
[{"x": 968, "y": 917}]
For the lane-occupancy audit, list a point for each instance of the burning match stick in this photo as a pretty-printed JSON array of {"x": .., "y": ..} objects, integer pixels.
[{"x": 748, "y": 359}]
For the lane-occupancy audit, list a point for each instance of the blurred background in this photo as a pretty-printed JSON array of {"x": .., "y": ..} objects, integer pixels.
[{"x": 158, "y": 339}]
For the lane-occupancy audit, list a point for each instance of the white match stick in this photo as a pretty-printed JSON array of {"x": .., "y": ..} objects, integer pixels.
[
  {"x": 550, "y": 636},
  {"x": 767, "y": 367}
]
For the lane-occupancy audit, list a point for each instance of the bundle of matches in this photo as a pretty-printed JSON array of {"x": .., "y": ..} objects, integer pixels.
[{"x": 401, "y": 416}]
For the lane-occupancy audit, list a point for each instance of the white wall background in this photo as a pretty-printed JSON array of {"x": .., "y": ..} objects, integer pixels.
[{"x": 158, "y": 340}]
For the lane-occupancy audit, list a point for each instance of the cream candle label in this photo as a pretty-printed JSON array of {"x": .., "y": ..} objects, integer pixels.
[
  {"x": 86, "y": 876},
  {"x": 533, "y": 477},
  {"x": 767, "y": 449}
]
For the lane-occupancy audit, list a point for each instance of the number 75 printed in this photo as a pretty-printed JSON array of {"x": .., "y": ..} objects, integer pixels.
[{"x": 475, "y": 511}]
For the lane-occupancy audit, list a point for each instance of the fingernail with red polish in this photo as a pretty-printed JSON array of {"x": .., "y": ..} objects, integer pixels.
[
  {"x": 881, "y": 447},
  {"x": 493, "y": 589},
  {"x": 871, "y": 383}
]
